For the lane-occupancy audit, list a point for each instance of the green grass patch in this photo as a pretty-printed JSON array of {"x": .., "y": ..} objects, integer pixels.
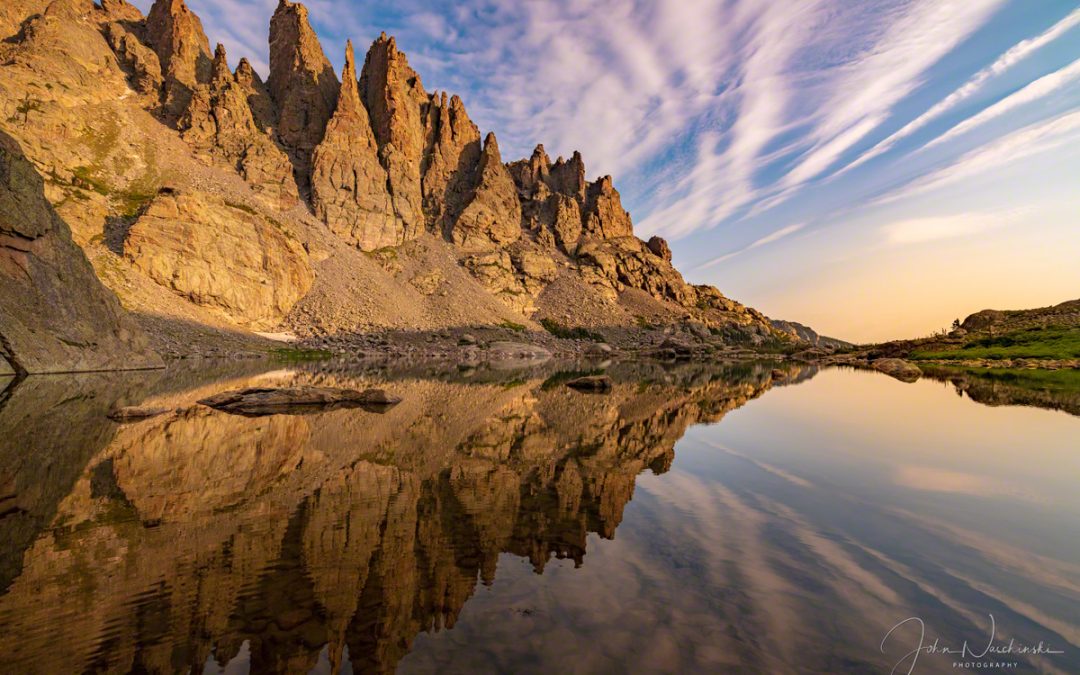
[
  {"x": 510, "y": 325},
  {"x": 1055, "y": 342},
  {"x": 86, "y": 177},
  {"x": 1064, "y": 381},
  {"x": 291, "y": 355},
  {"x": 567, "y": 333},
  {"x": 241, "y": 207}
]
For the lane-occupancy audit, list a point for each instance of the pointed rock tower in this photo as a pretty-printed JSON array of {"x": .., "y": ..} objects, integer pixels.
[
  {"x": 450, "y": 161},
  {"x": 395, "y": 99},
  {"x": 493, "y": 214},
  {"x": 302, "y": 85},
  {"x": 348, "y": 184},
  {"x": 177, "y": 36}
]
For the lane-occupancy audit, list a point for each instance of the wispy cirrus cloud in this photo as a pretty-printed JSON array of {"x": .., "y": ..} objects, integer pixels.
[
  {"x": 1040, "y": 88},
  {"x": 757, "y": 243},
  {"x": 724, "y": 121},
  {"x": 1011, "y": 57}
]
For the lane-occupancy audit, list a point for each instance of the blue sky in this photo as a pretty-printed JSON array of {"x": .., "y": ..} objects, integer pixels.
[{"x": 873, "y": 168}]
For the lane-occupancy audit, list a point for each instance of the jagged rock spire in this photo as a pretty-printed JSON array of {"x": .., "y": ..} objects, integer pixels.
[
  {"x": 604, "y": 215},
  {"x": 221, "y": 70},
  {"x": 220, "y": 122},
  {"x": 176, "y": 34},
  {"x": 451, "y": 158},
  {"x": 262, "y": 108},
  {"x": 395, "y": 99},
  {"x": 302, "y": 84},
  {"x": 348, "y": 183},
  {"x": 493, "y": 214}
]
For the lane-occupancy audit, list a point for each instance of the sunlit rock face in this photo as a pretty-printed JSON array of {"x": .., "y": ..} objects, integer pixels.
[
  {"x": 221, "y": 256},
  {"x": 198, "y": 534}
]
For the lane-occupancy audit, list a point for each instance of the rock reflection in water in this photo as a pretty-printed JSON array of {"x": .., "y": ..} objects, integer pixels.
[{"x": 181, "y": 542}]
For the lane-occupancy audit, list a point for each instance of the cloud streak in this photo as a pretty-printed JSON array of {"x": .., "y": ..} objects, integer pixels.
[
  {"x": 1040, "y": 88},
  {"x": 758, "y": 243},
  {"x": 1011, "y": 57}
]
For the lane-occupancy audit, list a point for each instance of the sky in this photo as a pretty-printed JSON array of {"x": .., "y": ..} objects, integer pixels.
[{"x": 873, "y": 169}]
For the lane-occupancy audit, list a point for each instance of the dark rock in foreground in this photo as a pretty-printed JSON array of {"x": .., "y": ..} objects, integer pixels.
[
  {"x": 55, "y": 316},
  {"x": 297, "y": 400}
]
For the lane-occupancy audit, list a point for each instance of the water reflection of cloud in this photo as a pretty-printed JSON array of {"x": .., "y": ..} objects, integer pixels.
[{"x": 930, "y": 479}]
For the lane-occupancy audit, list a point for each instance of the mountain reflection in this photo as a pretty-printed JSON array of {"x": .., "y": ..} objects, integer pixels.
[{"x": 296, "y": 542}]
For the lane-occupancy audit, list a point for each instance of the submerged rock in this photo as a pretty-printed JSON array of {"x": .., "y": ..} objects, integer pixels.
[
  {"x": 132, "y": 413},
  {"x": 898, "y": 368},
  {"x": 256, "y": 401},
  {"x": 596, "y": 383}
]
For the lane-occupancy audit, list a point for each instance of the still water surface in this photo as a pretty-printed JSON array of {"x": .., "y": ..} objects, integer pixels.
[{"x": 720, "y": 519}]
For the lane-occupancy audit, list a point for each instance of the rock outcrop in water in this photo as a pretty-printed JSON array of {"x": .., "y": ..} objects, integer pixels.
[{"x": 55, "y": 315}]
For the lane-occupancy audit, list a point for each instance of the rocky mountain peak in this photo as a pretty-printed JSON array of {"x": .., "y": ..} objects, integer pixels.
[
  {"x": 395, "y": 100},
  {"x": 492, "y": 216},
  {"x": 221, "y": 70},
  {"x": 349, "y": 96},
  {"x": 302, "y": 84},
  {"x": 176, "y": 35},
  {"x": 258, "y": 97},
  {"x": 349, "y": 184},
  {"x": 568, "y": 177},
  {"x": 120, "y": 10},
  {"x": 605, "y": 216}
]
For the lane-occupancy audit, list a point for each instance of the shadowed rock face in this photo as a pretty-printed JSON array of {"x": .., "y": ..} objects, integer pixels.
[
  {"x": 195, "y": 532},
  {"x": 55, "y": 315}
]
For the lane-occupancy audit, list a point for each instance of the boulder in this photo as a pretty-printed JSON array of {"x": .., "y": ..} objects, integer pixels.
[
  {"x": 258, "y": 401},
  {"x": 902, "y": 370},
  {"x": 223, "y": 256},
  {"x": 659, "y": 247},
  {"x": 510, "y": 355}
]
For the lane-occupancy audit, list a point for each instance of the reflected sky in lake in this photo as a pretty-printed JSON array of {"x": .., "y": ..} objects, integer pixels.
[{"x": 695, "y": 519}]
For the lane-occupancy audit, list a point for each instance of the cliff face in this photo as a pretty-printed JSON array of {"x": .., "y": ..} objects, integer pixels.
[
  {"x": 55, "y": 315},
  {"x": 346, "y": 169}
]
